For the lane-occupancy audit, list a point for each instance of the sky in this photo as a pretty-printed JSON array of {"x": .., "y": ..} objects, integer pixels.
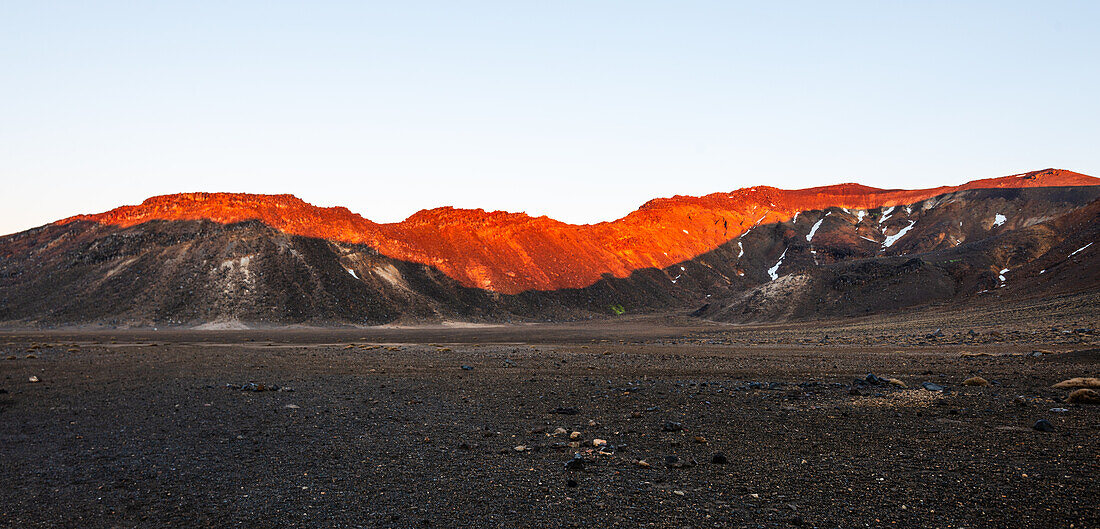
[{"x": 577, "y": 110}]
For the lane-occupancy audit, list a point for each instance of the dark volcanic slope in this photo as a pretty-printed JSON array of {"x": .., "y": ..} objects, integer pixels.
[{"x": 830, "y": 261}]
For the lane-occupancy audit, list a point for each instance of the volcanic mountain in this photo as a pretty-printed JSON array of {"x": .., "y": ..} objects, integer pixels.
[{"x": 199, "y": 257}]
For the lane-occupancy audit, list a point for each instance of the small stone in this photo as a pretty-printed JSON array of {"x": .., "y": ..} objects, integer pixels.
[
  {"x": 641, "y": 463},
  {"x": 1043, "y": 425},
  {"x": 575, "y": 435},
  {"x": 292, "y": 406},
  {"x": 719, "y": 458},
  {"x": 571, "y": 483},
  {"x": 560, "y": 431},
  {"x": 700, "y": 439},
  {"x": 520, "y": 448},
  {"x": 592, "y": 423},
  {"x": 599, "y": 442},
  {"x": 1020, "y": 401},
  {"x": 33, "y": 379},
  {"x": 671, "y": 426},
  {"x": 577, "y": 463},
  {"x": 678, "y": 492},
  {"x": 932, "y": 387},
  {"x": 467, "y": 368},
  {"x": 976, "y": 381},
  {"x": 896, "y": 383}
]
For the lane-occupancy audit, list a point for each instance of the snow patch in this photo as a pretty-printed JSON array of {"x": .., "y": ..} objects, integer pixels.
[
  {"x": 901, "y": 233},
  {"x": 1079, "y": 250},
  {"x": 813, "y": 230},
  {"x": 740, "y": 249},
  {"x": 352, "y": 272},
  {"x": 997, "y": 221},
  {"x": 774, "y": 271}
]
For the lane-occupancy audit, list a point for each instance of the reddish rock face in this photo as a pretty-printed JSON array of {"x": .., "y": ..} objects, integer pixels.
[{"x": 513, "y": 252}]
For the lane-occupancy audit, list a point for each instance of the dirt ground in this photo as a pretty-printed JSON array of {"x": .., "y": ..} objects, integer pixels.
[{"x": 458, "y": 426}]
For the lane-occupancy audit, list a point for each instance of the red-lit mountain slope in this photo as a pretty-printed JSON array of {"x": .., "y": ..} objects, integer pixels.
[{"x": 512, "y": 252}]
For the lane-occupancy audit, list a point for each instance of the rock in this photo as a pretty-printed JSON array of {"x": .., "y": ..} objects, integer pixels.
[
  {"x": 1058, "y": 410},
  {"x": 560, "y": 431},
  {"x": 641, "y": 463},
  {"x": 577, "y": 463},
  {"x": 678, "y": 492},
  {"x": 565, "y": 411},
  {"x": 896, "y": 383},
  {"x": 873, "y": 380},
  {"x": 599, "y": 442},
  {"x": 467, "y": 368},
  {"x": 1043, "y": 425},
  {"x": 575, "y": 435},
  {"x": 700, "y": 439},
  {"x": 33, "y": 379},
  {"x": 719, "y": 458},
  {"x": 1020, "y": 401},
  {"x": 1078, "y": 382},
  {"x": 975, "y": 381},
  {"x": 676, "y": 462},
  {"x": 571, "y": 483},
  {"x": 1084, "y": 396},
  {"x": 520, "y": 448},
  {"x": 671, "y": 426},
  {"x": 932, "y": 387},
  {"x": 254, "y": 387},
  {"x": 292, "y": 406}
]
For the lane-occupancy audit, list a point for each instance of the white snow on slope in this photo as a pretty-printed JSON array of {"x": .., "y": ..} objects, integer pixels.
[
  {"x": 774, "y": 271},
  {"x": 740, "y": 249},
  {"x": 813, "y": 230},
  {"x": 1079, "y": 250},
  {"x": 1001, "y": 275},
  {"x": 859, "y": 215},
  {"x": 998, "y": 220},
  {"x": 901, "y": 233},
  {"x": 352, "y": 272}
]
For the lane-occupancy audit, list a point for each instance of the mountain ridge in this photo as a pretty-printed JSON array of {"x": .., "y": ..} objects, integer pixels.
[{"x": 511, "y": 252}]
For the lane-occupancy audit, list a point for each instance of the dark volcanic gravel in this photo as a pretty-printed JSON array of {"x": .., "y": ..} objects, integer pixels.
[{"x": 356, "y": 430}]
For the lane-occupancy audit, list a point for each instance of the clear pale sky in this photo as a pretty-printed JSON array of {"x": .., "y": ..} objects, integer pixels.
[{"x": 578, "y": 110}]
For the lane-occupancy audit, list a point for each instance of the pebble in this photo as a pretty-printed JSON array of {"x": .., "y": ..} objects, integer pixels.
[
  {"x": 932, "y": 387},
  {"x": 560, "y": 431},
  {"x": 467, "y": 368},
  {"x": 1043, "y": 425},
  {"x": 671, "y": 426},
  {"x": 599, "y": 442},
  {"x": 719, "y": 458},
  {"x": 975, "y": 381},
  {"x": 577, "y": 463},
  {"x": 33, "y": 379},
  {"x": 292, "y": 406},
  {"x": 520, "y": 448},
  {"x": 642, "y": 463},
  {"x": 575, "y": 435},
  {"x": 678, "y": 492}
]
